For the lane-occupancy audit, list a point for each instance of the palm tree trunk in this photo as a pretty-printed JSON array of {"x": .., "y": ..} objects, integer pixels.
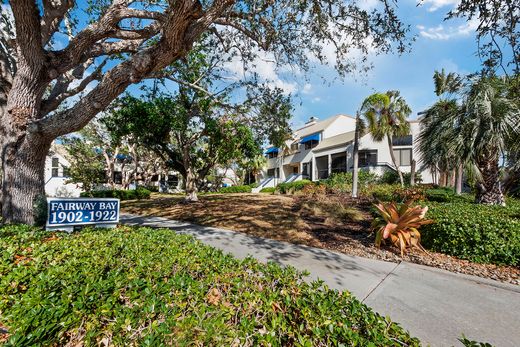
[
  {"x": 459, "y": 178},
  {"x": 491, "y": 188},
  {"x": 355, "y": 158},
  {"x": 391, "y": 148}
]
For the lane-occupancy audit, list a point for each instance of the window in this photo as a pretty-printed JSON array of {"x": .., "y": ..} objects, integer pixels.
[
  {"x": 272, "y": 155},
  {"x": 55, "y": 167},
  {"x": 273, "y": 172},
  {"x": 294, "y": 146},
  {"x": 306, "y": 169},
  {"x": 311, "y": 144},
  {"x": 403, "y": 156},
  {"x": 367, "y": 158},
  {"x": 118, "y": 177},
  {"x": 173, "y": 180},
  {"x": 402, "y": 140},
  {"x": 322, "y": 167},
  {"x": 338, "y": 163}
]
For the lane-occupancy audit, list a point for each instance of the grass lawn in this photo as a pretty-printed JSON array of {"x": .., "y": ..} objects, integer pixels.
[
  {"x": 298, "y": 219},
  {"x": 139, "y": 286}
]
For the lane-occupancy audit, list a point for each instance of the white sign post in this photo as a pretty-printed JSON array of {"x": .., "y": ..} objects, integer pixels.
[{"x": 67, "y": 213}]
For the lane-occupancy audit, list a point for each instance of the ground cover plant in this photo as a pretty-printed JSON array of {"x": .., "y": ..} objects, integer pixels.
[{"x": 139, "y": 286}]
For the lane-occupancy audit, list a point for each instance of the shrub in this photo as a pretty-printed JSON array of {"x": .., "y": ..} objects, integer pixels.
[
  {"x": 446, "y": 195},
  {"x": 480, "y": 233},
  {"x": 332, "y": 210},
  {"x": 142, "y": 193},
  {"x": 235, "y": 189},
  {"x": 291, "y": 187},
  {"x": 139, "y": 286},
  {"x": 316, "y": 190},
  {"x": 342, "y": 182},
  {"x": 409, "y": 193},
  {"x": 153, "y": 189},
  {"x": 268, "y": 190},
  {"x": 382, "y": 192},
  {"x": 139, "y": 193},
  {"x": 391, "y": 177},
  {"x": 400, "y": 224}
]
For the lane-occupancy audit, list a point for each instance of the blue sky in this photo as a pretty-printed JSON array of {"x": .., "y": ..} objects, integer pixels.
[{"x": 439, "y": 44}]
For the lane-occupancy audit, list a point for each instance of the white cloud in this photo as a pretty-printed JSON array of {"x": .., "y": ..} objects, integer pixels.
[
  {"x": 307, "y": 88},
  {"x": 442, "y": 32},
  {"x": 437, "y": 4},
  {"x": 369, "y": 5},
  {"x": 265, "y": 67}
]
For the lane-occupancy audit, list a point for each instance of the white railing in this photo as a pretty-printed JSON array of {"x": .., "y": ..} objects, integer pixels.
[{"x": 266, "y": 183}]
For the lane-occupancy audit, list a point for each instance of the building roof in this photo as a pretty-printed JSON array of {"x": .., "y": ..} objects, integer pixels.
[
  {"x": 318, "y": 126},
  {"x": 334, "y": 141}
]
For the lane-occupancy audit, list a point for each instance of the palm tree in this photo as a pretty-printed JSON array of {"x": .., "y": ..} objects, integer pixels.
[
  {"x": 491, "y": 120},
  {"x": 474, "y": 133},
  {"x": 386, "y": 115},
  {"x": 254, "y": 166},
  {"x": 360, "y": 129},
  {"x": 438, "y": 126}
]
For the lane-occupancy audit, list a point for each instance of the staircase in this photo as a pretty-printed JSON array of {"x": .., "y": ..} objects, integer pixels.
[{"x": 266, "y": 183}]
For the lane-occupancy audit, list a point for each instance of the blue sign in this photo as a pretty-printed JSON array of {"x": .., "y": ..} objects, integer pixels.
[{"x": 70, "y": 212}]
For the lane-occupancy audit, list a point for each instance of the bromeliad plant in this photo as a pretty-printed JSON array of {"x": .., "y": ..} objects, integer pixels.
[{"x": 400, "y": 224}]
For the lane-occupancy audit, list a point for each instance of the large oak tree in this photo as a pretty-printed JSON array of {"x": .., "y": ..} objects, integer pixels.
[{"x": 51, "y": 53}]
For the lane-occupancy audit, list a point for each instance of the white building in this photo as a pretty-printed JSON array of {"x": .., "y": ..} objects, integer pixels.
[
  {"x": 322, "y": 148},
  {"x": 56, "y": 177}
]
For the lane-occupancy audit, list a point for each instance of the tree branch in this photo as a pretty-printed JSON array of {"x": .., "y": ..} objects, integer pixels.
[
  {"x": 27, "y": 24},
  {"x": 54, "y": 13},
  {"x": 58, "y": 96},
  {"x": 80, "y": 46}
]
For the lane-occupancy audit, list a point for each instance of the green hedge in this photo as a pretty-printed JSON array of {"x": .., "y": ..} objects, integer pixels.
[
  {"x": 391, "y": 177},
  {"x": 139, "y": 286},
  {"x": 446, "y": 195},
  {"x": 268, "y": 190},
  {"x": 480, "y": 233},
  {"x": 139, "y": 193},
  {"x": 235, "y": 189},
  {"x": 291, "y": 187}
]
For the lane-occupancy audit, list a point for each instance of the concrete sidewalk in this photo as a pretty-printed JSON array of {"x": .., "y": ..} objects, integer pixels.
[{"x": 435, "y": 305}]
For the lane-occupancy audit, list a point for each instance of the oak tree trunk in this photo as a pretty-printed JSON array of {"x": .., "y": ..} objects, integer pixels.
[
  {"x": 191, "y": 186},
  {"x": 23, "y": 163}
]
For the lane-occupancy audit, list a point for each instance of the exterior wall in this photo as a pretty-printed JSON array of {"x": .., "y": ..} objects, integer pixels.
[{"x": 339, "y": 126}]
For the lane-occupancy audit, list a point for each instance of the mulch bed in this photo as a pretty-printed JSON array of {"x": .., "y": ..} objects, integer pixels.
[
  {"x": 254, "y": 214},
  {"x": 352, "y": 238}
]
